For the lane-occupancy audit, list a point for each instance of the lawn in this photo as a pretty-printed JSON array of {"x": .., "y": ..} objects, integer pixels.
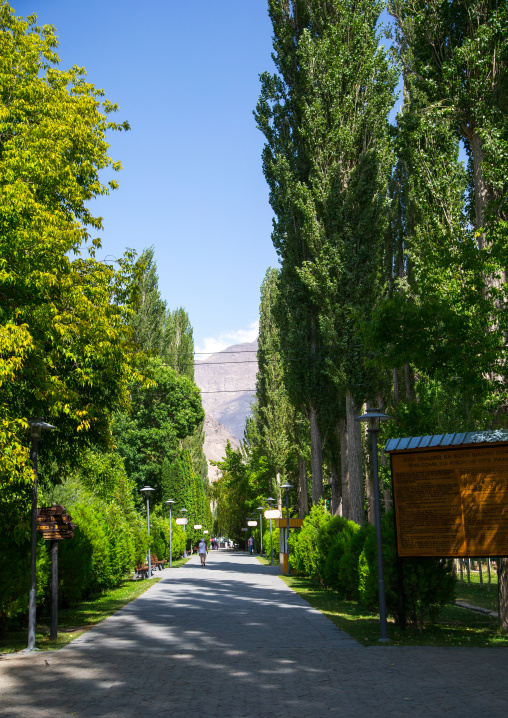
[
  {"x": 455, "y": 626},
  {"x": 73, "y": 621},
  {"x": 477, "y": 595}
]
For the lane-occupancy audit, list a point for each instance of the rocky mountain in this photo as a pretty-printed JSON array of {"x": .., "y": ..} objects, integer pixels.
[
  {"x": 216, "y": 439},
  {"x": 227, "y": 381}
]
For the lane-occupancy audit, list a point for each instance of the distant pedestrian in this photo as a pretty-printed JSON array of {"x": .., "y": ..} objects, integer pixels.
[
  {"x": 250, "y": 544},
  {"x": 202, "y": 551}
]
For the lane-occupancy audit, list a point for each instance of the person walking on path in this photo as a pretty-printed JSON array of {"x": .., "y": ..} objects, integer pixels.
[
  {"x": 250, "y": 544},
  {"x": 202, "y": 551}
]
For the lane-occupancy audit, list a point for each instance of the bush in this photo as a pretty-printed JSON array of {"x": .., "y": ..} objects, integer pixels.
[
  {"x": 339, "y": 545},
  {"x": 15, "y": 511},
  {"x": 306, "y": 558},
  {"x": 429, "y": 583},
  {"x": 349, "y": 563}
]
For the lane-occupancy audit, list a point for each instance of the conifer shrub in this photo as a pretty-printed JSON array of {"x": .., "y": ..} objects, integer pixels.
[
  {"x": 349, "y": 562},
  {"x": 309, "y": 546},
  {"x": 332, "y": 566},
  {"x": 429, "y": 583}
]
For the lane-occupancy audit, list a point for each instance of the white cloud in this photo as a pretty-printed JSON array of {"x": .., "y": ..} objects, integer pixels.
[{"x": 211, "y": 345}]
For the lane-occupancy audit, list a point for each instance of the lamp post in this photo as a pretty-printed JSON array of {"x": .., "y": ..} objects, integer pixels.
[
  {"x": 146, "y": 490},
  {"x": 287, "y": 487},
  {"x": 260, "y": 509},
  {"x": 36, "y": 428},
  {"x": 270, "y": 501},
  {"x": 184, "y": 511},
  {"x": 170, "y": 503},
  {"x": 252, "y": 523},
  {"x": 374, "y": 417}
]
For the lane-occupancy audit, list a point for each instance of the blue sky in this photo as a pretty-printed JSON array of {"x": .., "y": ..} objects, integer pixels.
[{"x": 186, "y": 77}]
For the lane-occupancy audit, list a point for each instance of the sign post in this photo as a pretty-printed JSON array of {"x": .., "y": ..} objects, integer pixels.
[
  {"x": 451, "y": 498},
  {"x": 55, "y": 525}
]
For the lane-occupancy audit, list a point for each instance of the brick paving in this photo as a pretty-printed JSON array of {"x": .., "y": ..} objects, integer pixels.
[{"x": 233, "y": 641}]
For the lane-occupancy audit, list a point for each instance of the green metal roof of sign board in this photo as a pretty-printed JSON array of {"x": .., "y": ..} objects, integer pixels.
[{"x": 434, "y": 440}]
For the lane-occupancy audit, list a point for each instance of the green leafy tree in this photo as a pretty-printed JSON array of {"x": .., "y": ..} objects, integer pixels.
[
  {"x": 64, "y": 342},
  {"x": 162, "y": 416},
  {"x": 327, "y": 161}
]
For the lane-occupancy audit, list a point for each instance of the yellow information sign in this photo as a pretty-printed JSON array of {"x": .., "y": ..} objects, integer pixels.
[{"x": 452, "y": 502}]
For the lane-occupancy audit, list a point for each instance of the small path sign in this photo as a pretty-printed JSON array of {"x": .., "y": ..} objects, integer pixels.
[{"x": 55, "y": 525}]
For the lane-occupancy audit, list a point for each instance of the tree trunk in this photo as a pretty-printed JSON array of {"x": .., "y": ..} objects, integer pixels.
[
  {"x": 369, "y": 479},
  {"x": 408, "y": 377},
  {"x": 278, "y": 492},
  {"x": 354, "y": 455},
  {"x": 316, "y": 458},
  {"x": 481, "y": 190},
  {"x": 303, "y": 496},
  {"x": 395, "y": 387},
  {"x": 344, "y": 468},
  {"x": 336, "y": 507},
  {"x": 502, "y": 578}
]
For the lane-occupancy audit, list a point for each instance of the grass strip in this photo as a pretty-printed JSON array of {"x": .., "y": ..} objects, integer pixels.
[
  {"x": 455, "y": 626},
  {"x": 478, "y": 595},
  {"x": 77, "y": 619}
]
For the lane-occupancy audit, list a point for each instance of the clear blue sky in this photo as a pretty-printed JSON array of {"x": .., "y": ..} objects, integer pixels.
[{"x": 186, "y": 77}]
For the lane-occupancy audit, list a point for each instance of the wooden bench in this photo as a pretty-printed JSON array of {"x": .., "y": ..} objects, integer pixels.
[
  {"x": 142, "y": 571},
  {"x": 156, "y": 562}
]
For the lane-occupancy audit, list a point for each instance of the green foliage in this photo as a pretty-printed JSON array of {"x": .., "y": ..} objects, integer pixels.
[
  {"x": 429, "y": 583},
  {"x": 64, "y": 340},
  {"x": 313, "y": 540},
  {"x": 231, "y": 494},
  {"x": 276, "y": 541},
  {"x": 162, "y": 415},
  {"x": 337, "y": 568}
]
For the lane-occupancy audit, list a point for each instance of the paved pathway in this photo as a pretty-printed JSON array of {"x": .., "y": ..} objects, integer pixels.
[{"x": 232, "y": 641}]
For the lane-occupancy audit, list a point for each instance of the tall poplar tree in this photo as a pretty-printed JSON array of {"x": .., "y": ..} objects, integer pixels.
[{"x": 326, "y": 160}]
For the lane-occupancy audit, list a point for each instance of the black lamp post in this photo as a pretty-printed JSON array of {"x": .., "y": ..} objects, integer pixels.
[
  {"x": 261, "y": 509},
  {"x": 374, "y": 417},
  {"x": 36, "y": 428},
  {"x": 184, "y": 511},
  {"x": 287, "y": 487},
  {"x": 270, "y": 501},
  {"x": 170, "y": 503},
  {"x": 146, "y": 490}
]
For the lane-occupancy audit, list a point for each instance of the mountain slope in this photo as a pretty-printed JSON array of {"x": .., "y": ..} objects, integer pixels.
[{"x": 223, "y": 379}]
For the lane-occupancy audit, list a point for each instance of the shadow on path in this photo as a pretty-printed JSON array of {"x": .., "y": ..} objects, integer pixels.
[{"x": 234, "y": 641}]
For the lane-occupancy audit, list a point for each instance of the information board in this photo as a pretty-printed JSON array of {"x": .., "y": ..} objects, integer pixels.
[{"x": 451, "y": 502}]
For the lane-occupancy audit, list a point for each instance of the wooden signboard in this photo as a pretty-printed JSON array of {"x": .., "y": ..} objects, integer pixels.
[
  {"x": 451, "y": 501},
  {"x": 293, "y": 523},
  {"x": 54, "y": 524}
]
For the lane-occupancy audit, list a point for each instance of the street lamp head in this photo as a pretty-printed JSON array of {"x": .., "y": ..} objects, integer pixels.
[
  {"x": 146, "y": 490},
  {"x": 183, "y": 511},
  {"x": 374, "y": 417},
  {"x": 260, "y": 508},
  {"x": 270, "y": 500},
  {"x": 170, "y": 501},
  {"x": 37, "y": 426},
  {"x": 286, "y": 486}
]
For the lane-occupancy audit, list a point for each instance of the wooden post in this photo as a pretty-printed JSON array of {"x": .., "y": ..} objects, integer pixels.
[
  {"x": 488, "y": 569},
  {"x": 480, "y": 571},
  {"x": 468, "y": 566},
  {"x": 53, "y": 633}
]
